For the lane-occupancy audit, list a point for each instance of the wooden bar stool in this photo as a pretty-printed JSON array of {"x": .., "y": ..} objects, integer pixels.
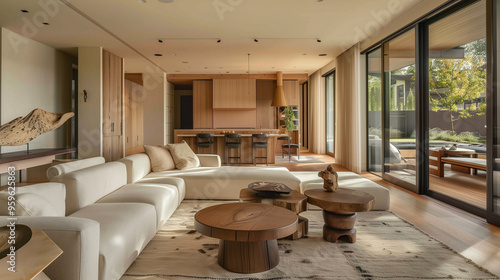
[
  {"x": 233, "y": 141},
  {"x": 257, "y": 142},
  {"x": 204, "y": 140}
]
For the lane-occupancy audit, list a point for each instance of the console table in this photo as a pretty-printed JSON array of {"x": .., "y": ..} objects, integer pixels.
[{"x": 30, "y": 158}]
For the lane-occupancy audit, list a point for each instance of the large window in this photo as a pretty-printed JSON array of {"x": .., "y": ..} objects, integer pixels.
[
  {"x": 438, "y": 118},
  {"x": 374, "y": 118},
  {"x": 330, "y": 113},
  {"x": 399, "y": 110},
  {"x": 457, "y": 99}
]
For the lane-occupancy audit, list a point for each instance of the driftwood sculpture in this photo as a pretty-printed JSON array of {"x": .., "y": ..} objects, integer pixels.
[
  {"x": 21, "y": 130},
  {"x": 330, "y": 178}
]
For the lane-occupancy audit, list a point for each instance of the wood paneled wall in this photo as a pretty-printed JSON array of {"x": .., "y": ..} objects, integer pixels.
[
  {"x": 235, "y": 118},
  {"x": 266, "y": 115},
  {"x": 202, "y": 104},
  {"x": 234, "y": 93}
]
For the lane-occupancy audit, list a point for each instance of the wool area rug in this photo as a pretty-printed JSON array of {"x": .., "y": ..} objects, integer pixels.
[
  {"x": 387, "y": 247},
  {"x": 303, "y": 159}
]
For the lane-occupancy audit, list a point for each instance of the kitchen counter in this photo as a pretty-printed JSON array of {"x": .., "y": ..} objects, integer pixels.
[{"x": 274, "y": 145}]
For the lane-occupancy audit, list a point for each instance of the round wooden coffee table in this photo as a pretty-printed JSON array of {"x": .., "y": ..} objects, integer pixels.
[
  {"x": 248, "y": 233},
  {"x": 339, "y": 210}
]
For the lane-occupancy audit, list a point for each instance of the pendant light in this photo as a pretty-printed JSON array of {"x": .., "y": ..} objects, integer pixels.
[{"x": 279, "y": 99}]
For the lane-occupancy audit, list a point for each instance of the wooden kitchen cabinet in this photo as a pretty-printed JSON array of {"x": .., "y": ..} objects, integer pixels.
[
  {"x": 112, "y": 106},
  {"x": 234, "y": 94},
  {"x": 134, "y": 116},
  {"x": 202, "y": 104}
]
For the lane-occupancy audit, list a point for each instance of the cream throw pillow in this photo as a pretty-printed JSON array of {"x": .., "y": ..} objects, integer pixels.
[
  {"x": 183, "y": 156},
  {"x": 160, "y": 158}
]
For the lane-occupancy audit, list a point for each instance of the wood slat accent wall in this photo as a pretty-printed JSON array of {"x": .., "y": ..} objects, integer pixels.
[
  {"x": 202, "y": 104},
  {"x": 234, "y": 94}
]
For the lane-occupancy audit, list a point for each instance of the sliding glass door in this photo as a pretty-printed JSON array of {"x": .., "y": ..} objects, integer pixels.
[
  {"x": 493, "y": 114},
  {"x": 399, "y": 111},
  {"x": 374, "y": 116},
  {"x": 330, "y": 113},
  {"x": 457, "y": 111}
]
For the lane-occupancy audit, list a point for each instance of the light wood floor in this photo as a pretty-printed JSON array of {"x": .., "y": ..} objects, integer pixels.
[{"x": 465, "y": 233}]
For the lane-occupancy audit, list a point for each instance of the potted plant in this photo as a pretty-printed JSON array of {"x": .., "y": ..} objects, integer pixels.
[{"x": 289, "y": 117}]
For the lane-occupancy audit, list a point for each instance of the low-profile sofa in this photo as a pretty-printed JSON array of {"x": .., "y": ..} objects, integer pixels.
[{"x": 105, "y": 214}]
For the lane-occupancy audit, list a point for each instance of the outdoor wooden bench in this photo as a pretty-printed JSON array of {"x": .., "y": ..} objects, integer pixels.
[{"x": 462, "y": 160}]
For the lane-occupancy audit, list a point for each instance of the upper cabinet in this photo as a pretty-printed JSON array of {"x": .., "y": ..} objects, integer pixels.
[
  {"x": 234, "y": 94},
  {"x": 291, "y": 89}
]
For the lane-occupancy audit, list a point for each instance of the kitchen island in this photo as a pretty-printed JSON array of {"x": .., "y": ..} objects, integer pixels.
[{"x": 274, "y": 145}]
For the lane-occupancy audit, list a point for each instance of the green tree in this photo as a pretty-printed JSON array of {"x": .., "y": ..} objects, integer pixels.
[
  {"x": 453, "y": 82},
  {"x": 410, "y": 101},
  {"x": 375, "y": 95}
]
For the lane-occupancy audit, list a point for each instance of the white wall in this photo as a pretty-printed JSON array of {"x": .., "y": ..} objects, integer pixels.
[
  {"x": 32, "y": 76},
  {"x": 89, "y": 112},
  {"x": 155, "y": 88}
]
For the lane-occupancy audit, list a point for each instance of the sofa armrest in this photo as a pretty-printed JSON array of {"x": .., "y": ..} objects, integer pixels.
[
  {"x": 209, "y": 160},
  {"x": 78, "y": 238}
]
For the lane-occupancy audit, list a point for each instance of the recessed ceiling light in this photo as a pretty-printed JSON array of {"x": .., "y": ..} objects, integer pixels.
[
  {"x": 160, "y": 41},
  {"x": 206, "y": 67},
  {"x": 227, "y": 72},
  {"x": 304, "y": 54},
  {"x": 25, "y": 11},
  {"x": 174, "y": 54},
  {"x": 166, "y": 1},
  {"x": 46, "y": 23},
  {"x": 142, "y": 1},
  {"x": 318, "y": 40},
  {"x": 322, "y": 54},
  {"x": 221, "y": 67},
  {"x": 158, "y": 54},
  {"x": 185, "y": 62},
  {"x": 218, "y": 40}
]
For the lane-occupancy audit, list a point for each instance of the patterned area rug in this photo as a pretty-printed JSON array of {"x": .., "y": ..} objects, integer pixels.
[
  {"x": 387, "y": 247},
  {"x": 303, "y": 159}
]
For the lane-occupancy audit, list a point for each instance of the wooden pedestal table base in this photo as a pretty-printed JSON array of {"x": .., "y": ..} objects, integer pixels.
[
  {"x": 248, "y": 233},
  {"x": 339, "y": 210},
  {"x": 294, "y": 201}
]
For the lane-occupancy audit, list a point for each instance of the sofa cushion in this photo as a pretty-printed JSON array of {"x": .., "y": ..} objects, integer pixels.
[
  {"x": 351, "y": 180},
  {"x": 46, "y": 199},
  {"x": 183, "y": 156},
  {"x": 138, "y": 166},
  {"x": 86, "y": 186},
  {"x": 125, "y": 229},
  {"x": 160, "y": 158},
  {"x": 171, "y": 181},
  {"x": 70, "y": 166},
  {"x": 165, "y": 198},
  {"x": 225, "y": 182}
]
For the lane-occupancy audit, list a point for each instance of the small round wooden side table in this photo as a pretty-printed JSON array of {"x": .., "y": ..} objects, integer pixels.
[
  {"x": 339, "y": 210},
  {"x": 294, "y": 201},
  {"x": 248, "y": 233}
]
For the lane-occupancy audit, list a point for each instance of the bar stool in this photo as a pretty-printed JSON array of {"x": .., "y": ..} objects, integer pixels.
[
  {"x": 204, "y": 140},
  {"x": 233, "y": 141},
  {"x": 257, "y": 142},
  {"x": 289, "y": 146}
]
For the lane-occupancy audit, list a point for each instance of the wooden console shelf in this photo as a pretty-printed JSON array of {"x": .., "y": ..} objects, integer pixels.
[{"x": 31, "y": 158}]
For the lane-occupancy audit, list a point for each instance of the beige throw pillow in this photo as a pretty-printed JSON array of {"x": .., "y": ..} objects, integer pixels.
[
  {"x": 160, "y": 158},
  {"x": 183, "y": 156}
]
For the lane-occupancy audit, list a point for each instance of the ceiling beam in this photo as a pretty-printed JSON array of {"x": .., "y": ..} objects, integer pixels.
[{"x": 188, "y": 78}]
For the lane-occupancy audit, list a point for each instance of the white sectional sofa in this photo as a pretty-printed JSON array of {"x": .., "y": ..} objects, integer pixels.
[{"x": 103, "y": 215}]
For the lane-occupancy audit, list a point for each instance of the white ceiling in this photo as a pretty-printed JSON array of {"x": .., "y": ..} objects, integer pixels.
[{"x": 287, "y": 31}]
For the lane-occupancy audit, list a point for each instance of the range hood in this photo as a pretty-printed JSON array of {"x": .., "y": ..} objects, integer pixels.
[{"x": 279, "y": 99}]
